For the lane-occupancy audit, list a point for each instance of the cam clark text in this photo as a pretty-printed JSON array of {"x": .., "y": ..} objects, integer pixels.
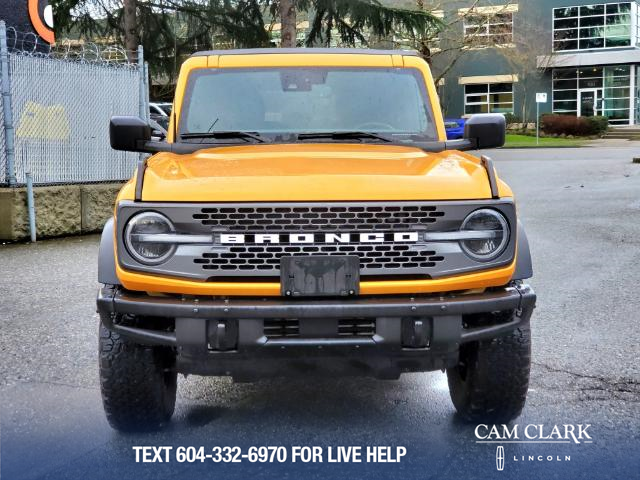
[
  {"x": 534, "y": 433},
  {"x": 270, "y": 454}
]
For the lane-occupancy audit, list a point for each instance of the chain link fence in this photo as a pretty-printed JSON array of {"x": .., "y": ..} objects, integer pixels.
[
  {"x": 61, "y": 100},
  {"x": 3, "y": 150}
]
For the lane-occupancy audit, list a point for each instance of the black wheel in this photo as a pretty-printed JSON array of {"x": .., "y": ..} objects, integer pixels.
[
  {"x": 138, "y": 383},
  {"x": 490, "y": 383}
]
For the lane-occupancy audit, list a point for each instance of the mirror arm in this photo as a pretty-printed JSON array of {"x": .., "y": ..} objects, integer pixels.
[
  {"x": 151, "y": 146},
  {"x": 462, "y": 144},
  {"x": 440, "y": 146}
]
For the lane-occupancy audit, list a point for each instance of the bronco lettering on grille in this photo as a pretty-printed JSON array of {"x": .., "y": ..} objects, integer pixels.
[{"x": 327, "y": 238}]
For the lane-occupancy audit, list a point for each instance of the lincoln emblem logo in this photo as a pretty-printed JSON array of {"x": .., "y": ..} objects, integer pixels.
[{"x": 500, "y": 458}]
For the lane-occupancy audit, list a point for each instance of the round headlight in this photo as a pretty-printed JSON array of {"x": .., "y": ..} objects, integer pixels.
[
  {"x": 493, "y": 234},
  {"x": 139, "y": 235}
]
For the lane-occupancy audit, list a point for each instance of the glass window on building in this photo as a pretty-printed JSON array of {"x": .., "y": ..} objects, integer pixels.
[
  {"x": 616, "y": 102},
  {"x": 489, "y": 29},
  {"x": 588, "y": 91},
  {"x": 592, "y": 27},
  {"x": 488, "y": 98}
]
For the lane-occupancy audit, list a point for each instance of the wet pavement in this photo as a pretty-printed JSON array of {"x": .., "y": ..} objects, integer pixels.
[{"x": 581, "y": 209}]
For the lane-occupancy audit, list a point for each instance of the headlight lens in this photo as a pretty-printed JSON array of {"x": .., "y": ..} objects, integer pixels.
[
  {"x": 144, "y": 249},
  {"x": 492, "y": 224}
]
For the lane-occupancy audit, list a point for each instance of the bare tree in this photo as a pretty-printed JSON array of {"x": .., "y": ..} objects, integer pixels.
[
  {"x": 169, "y": 30},
  {"x": 451, "y": 41},
  {"x": 528, "y": 58},
  {"x": 288, "y": 23},
  {"x": 130, "y": 24}
]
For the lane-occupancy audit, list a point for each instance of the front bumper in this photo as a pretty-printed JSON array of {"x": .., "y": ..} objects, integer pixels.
[{"x": 227, "y": 336}]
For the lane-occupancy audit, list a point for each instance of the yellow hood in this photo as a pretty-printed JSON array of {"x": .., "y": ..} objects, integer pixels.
[{"x": 314, "y": 172}]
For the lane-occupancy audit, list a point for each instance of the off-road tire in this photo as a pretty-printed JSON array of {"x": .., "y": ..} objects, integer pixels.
[
  {"x": 138, "y": 383},
  {"x": 490, "y": 383}
]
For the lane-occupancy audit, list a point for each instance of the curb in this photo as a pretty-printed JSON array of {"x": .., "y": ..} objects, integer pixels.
[{"x": 537, "y": 147}]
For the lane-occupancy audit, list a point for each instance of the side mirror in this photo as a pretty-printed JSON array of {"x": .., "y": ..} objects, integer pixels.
[
  {"x": 129, "y": 134},
  {"x": 486, "y": 130}
]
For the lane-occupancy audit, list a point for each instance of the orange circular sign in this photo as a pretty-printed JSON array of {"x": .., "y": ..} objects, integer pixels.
[{"x": 42, "y": 20}]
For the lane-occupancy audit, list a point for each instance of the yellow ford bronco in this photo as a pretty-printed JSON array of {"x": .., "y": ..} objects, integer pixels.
[{"x": 306, "y": 215}]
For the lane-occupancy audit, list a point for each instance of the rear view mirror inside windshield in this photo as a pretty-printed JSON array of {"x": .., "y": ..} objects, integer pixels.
[{"x": 302, "y": 81}]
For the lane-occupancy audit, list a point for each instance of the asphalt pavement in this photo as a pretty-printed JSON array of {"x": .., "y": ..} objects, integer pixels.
[{"x": 581, "y": 209}]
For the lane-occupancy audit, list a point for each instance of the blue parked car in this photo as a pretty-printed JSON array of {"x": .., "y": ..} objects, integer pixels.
[{"x": 454, "y": 128}]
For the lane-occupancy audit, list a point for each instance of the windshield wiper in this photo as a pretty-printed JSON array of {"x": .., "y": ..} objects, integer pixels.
[
  {"x": 354, "y": 135},
  {"x": 229, "y": 134}
]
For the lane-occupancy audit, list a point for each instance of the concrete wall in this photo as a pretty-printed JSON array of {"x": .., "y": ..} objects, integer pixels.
[{"x": 60, "y": 210}]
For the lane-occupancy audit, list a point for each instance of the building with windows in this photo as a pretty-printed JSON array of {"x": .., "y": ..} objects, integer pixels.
[{"x": 585, "y": 56}]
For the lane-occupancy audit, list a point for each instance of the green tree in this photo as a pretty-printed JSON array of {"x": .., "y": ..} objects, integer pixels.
[
  {"x": 353, "y": 20},
  {"x": 167, "y": 29}
]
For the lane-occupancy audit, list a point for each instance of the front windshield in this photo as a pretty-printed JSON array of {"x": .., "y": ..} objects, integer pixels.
[{"x": 292, "y": 101}]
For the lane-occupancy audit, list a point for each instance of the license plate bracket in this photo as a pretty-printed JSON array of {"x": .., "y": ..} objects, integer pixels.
[{"x": 320, "y": 276}]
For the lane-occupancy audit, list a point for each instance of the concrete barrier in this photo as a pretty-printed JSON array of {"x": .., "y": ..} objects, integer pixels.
[{"x": 60, "y": 210}]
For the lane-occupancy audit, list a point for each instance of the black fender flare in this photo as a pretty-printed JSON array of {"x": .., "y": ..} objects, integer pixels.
[
  {"x": 524, "y": 266},
  {"x": 106, "y": 257}
]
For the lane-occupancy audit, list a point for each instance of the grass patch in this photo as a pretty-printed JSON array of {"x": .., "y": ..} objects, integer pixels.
[{"x": 519, "y": 141}]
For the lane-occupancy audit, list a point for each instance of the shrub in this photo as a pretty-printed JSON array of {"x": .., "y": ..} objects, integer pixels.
[
  {"x": 599, "y": 125},
  {"x": 571, "y": 125},
  {"x": 511, "y": 119}
]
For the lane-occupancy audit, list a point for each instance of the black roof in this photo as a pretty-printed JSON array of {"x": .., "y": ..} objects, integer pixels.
[{"x": 261, "y": 51}]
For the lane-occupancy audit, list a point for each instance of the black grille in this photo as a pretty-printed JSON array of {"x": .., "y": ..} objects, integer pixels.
[
  {"x": 347, "y": 327},
  {"x": 357, "y": 327},
  {"x": 372, "y": 257},
  {"x": 312, "y": 218},
  {"x": 385, "y": 258},
  {"x": 281, "y": 328}
]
